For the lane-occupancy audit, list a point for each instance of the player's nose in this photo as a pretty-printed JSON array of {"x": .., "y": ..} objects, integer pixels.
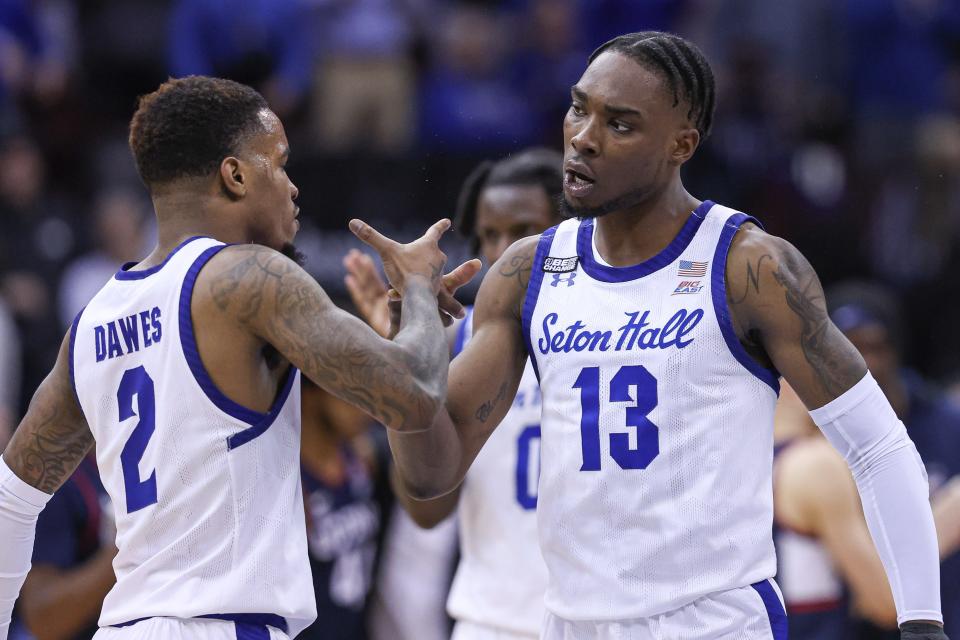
[{"x": 585, "y": 141}]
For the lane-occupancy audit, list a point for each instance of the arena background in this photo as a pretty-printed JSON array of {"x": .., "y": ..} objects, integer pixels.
[{"x": 837, "y": 126}]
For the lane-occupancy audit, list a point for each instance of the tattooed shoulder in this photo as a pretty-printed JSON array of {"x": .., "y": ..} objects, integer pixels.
[
  {"x": 240, "y": 277},
  {"x": 517, "y": 263},
  {"x": 515, "y": 266},
  {"x": 775, "y": 294}
]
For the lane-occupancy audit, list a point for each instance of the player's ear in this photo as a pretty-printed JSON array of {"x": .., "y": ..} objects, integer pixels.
[
  {"x": 685, "y": 142},
  {"x": 232, "y": 177}
]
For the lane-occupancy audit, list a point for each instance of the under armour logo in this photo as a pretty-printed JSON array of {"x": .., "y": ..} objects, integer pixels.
[{"x": 565, "y": 278}]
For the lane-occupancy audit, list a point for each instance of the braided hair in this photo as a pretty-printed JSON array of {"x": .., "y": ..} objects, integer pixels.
[{"x": 681, "y": 64}]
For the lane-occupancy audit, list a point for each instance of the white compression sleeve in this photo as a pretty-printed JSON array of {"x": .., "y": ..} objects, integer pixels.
[
  {"x": 20, "y": 504},
  {"x": 893, "y": 488}
]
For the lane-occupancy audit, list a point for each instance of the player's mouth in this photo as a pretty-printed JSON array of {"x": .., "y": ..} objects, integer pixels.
[
  {"x": 577, "y": 184},
  {"x": 578, "y": 179}
]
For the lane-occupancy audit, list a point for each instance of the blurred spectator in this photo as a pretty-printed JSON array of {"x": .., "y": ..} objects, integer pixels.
[
  {"x": 471, "y": 100},
  {"x": 916, "y": 221},
  {"x": 124, "y": 54},
  {"x": 36, "y": 41},
  {"x": 824, "y": 549},
  {"x": 893, "y": 83},
  {"x": 263, "y": 43},
  {"x": 606, "y": 19},
  {"x": 10, "y": 366},
  {"x": 119, "y": 233},
  {"x": 345, "y": 489},
  {"x": 72, "y": 561},
  {"x": 37, "y": 239},
  {"x": 913, "y": 233},
  {"x": 551, "y": 59},
  {"x": 869, "y": 316},
  {"x": 800, "y": 75},
  {"x": 365, "y": 86}
]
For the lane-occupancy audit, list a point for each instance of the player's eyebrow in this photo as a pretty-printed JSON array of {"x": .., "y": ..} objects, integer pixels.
[{"x": 582, "y": 96}]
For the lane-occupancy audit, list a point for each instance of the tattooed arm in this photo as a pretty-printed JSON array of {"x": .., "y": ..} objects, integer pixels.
[
  {"x": 401, "y": 383},
  {"x": 781, "y": 316},
  {"x": 53, "y": 436},
  {"x": 482, "y": 383}
]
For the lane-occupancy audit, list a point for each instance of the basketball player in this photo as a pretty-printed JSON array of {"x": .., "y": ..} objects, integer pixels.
[
  {"x": 658, "y": 326},
  {"x": 498, "y": 588},
  {"x": 185, "y": 370}
]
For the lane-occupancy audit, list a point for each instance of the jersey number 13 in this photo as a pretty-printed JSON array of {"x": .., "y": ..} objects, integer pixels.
[{"x": 647, "y": 445}]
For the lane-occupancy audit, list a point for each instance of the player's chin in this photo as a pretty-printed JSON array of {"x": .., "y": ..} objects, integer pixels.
[{"x": 576, "y": 207}]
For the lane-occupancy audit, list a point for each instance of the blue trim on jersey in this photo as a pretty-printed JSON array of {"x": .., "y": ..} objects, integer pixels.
[
  {"x": 250, "y": 622},
  {"x": 73, "y": 341},
  {"x": 671, "y": 252},
  {"x": 533, "y": 291},
  {"x": 259, "y": 421},
  {"x": 125, "y": 274},
  {"x": 130, "y": 623},
  {"x": 259, "y": 619},
  {"x": 775, "y": 612},
  {"x": 260, "y": 428},
  {"x": 718, "y": 285},
  {"x": 460, "y": 340},
  {"x": 251, "y": 631}
]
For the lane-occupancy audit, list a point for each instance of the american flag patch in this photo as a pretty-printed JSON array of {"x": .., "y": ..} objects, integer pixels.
[{"x": 689, "y": 269}]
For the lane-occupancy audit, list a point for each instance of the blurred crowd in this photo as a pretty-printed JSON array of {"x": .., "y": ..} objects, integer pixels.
[{"x": 838, "y": 126}]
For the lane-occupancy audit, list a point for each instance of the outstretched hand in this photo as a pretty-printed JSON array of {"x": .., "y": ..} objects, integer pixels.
[
  {"x": 451, "y": 282},
  {"x": 381, "y": 306},
  {"x": 420, "y": 259}
]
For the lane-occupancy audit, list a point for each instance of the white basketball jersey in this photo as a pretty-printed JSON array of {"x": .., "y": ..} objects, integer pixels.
[
  {"x": 501, "y": 578},
  {"x": 206, "y": 493},
  {"x": 655, "y": 485}
]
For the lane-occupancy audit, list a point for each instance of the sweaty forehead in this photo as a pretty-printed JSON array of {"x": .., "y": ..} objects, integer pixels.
[
  {"x": 617, "y": 79},
  {"x": 272, "y": 138}
]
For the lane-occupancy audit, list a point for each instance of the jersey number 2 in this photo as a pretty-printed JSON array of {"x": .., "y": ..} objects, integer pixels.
[
  {"x": 136, "y": 382},
  {"x": 648, "y": 444}
]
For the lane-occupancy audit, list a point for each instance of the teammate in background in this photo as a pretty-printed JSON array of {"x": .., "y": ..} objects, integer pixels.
[
  {"x": 659, "y": 326},
  {"x": 185, "y": 370},
  {"x": 498, "y": 589},
  {"x": 826, "y": 558}
]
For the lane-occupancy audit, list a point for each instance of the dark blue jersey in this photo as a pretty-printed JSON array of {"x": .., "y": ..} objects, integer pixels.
[
  {"x": 343, "y": 526},
  {"x": 69, "y": 531}
]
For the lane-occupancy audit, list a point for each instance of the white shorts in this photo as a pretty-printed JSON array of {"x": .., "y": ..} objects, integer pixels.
[
  {"x": 465, "y": 630},
  {"x": 749, "y": 613},
  {"x": 190, "y": 629}
]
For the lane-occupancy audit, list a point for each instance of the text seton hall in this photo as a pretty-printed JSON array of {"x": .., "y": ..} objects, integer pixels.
[{"x": 636, "y": 333}]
